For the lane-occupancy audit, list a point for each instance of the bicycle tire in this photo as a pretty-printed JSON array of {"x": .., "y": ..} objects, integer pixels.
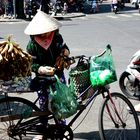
[
  {"x": 129, "y": 130},
  {"x": 14, "y": 106},
  {"x": 126, "y": 84}
]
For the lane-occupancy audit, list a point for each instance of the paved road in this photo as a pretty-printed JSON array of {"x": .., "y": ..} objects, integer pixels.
[{"x": 89, "y": 35}]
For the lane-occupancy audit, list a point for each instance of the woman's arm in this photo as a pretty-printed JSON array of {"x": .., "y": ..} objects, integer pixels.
[{"x": 31, "y": 49}]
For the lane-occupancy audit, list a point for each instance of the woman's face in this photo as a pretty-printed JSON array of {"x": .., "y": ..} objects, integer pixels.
[
  {"x": 45, "y": 39},
  {"x": 45, "y": 35}
]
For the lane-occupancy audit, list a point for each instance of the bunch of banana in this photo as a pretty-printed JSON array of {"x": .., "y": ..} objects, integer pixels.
[{"x": 14, "y": 61}]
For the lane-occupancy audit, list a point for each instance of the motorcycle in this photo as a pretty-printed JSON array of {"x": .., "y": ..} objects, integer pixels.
[
  {"x": 139, "y": 7},
  {"x": 129, "y": 80},
  {"x": 118, "y": 5},
  {"x": 115, "y": 8},
  {"x": 31, "y": 7},
  {"x": 136, "y": 3}
]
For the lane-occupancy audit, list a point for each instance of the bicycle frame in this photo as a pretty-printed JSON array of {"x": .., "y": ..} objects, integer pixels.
[
  {"x": 38, "y": 114},
  {"x": 81, "y": 108},
  {"x": 34, "y": 126},
  {"x": 98, "y": 91},
  {"x": 84, "y": 106},
  {"x": 31, "y": 127}
]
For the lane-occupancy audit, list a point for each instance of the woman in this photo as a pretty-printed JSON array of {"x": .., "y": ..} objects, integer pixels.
[{"x": 46, "y": 46}]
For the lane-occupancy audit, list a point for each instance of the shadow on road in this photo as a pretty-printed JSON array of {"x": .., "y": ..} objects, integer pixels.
[
  {"x": 131, "y": 135},
  {"x": 88, "y": 136}
]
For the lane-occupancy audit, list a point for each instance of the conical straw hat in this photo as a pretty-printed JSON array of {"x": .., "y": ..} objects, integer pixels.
[{"x": 41, "y": 23}]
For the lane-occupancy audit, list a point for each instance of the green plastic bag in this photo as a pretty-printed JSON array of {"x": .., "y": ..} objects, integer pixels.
[
  {"x": 63, "y": 100},
  {"x": 102, "y": 69}
]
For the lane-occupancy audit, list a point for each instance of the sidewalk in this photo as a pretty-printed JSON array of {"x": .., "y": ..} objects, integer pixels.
[
  {"x": 8, "y": 19},
  {"x": 58, "y": 16}
]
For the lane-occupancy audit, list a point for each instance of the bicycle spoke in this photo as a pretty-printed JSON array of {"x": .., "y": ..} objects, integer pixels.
[
  {"x": 11, "y": 110},
  {"x": 115, "y": 122}
]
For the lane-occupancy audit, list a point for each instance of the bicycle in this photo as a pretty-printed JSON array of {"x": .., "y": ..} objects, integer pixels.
[{"x": 20, "y": 117}]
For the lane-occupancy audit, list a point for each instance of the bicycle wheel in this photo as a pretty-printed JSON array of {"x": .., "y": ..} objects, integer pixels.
[
  {"x": 122, "y": 125},
  {"x": 13, "y": 106}
]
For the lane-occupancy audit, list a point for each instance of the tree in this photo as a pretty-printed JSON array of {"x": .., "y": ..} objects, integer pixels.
[{"x": 19, "y": 6}]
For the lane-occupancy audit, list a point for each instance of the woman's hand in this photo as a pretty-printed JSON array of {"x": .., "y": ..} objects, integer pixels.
[
  {"x": 66, "y": 52},
  {"x": 66, "y": 63},
  {"x": 47, "y": 70}
]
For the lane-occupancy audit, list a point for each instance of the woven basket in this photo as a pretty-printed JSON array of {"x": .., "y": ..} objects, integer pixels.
[{"x": 79, "y": 78}]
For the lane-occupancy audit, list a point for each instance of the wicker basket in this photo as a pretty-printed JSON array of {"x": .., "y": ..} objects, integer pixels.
[{"x": 79, "y": 78}]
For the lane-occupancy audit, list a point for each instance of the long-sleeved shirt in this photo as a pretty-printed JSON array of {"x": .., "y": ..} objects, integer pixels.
[{"x": 42, "y": 57}]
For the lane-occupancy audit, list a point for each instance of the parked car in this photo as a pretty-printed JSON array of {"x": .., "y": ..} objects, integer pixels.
[{"x": 91, "y": 6}]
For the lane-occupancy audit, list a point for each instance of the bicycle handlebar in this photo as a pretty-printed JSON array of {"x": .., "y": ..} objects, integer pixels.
[
  {"x": 73, "y": 58},
  {"x": 87, "y": 58},
  {"x": 51, "y": 78}
]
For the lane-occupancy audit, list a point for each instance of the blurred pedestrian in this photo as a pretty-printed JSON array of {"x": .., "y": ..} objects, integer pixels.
[
  {"x": 113, "y": 4},
  {"x": 10, "y": 8},
  {"x": 65, "y": 8},
  {"x": 94, "y": 6}
]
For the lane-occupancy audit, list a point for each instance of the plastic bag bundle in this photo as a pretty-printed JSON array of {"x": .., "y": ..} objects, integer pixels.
[
  {"x": 102, "y": 69},
  {"x": 17, "y": 84},
  {"x": 63, "y": 100}
]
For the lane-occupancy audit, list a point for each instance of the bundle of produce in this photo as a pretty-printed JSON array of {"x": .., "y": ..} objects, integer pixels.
[{"x": 14, "y": 61}]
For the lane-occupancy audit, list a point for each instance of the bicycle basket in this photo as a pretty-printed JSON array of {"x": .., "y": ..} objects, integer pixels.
[
  {"x": 79, "y": 77},
  {"x": 102, "y": 69}
]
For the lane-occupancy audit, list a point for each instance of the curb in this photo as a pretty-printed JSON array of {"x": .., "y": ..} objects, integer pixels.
[
  {"x": 11, "y": 20},
  {"x": 59, "y": 17},
  {"x": 67, "y": 16}
]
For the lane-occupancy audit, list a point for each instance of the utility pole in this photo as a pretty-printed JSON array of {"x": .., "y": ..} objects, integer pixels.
[
  {"x": 5, "y": 7},
  {"x": 14, "y": 6},
  {"x": 19, "y": 4},
  {"x": 44, "y": 6}
]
